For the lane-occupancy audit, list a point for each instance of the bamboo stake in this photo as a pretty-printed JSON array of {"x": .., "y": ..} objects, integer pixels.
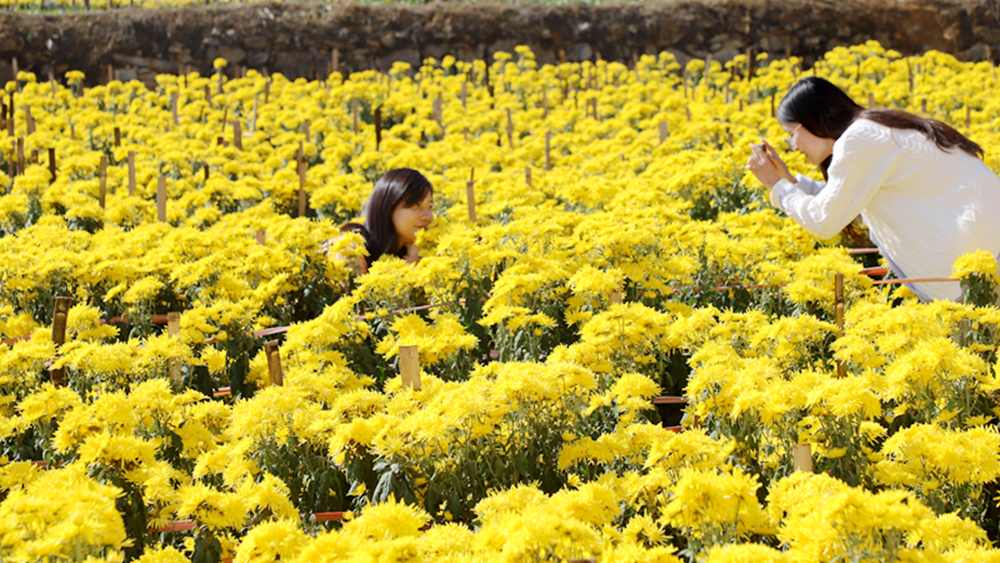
[
  {"x": 267, "y": 90},
  {"x": 174, "y": 330},
  {"x": 208, "y": 95},
  {"x": 470, "y": 196},
  {"x": 72, "y": 131},
  {"x": 102, "y": 195},
  {"x": 409, "y": 367},
  {"x": 968, "y": 117},
  {"x": 131, "y": 173},
  {"x": 545, "y": 103},
  {"x": 378, "y": 127},
  {"x": 306, "y": 129},
  {"x": 237, "y": 135},
  {"x": 20, "y": 155},
  {"x": 301, "y": 158},
  {"x": 161, "y": 199},
  {"x": 663, "y": 131},
  {"x": 59, "y": 317},
  {"x": 17, "y": 83},
  {"x": 838, "y": 300},
  {"x": 802, "y": 458},
  {"x": 10, "y": 117},
  {"x": 29, "y": 120},
  {"x": 118, "y": 137},
  {"x": 174, "y": 101},
  {"x": 52, "y": 164},
  {"x": 439, "y": 113},
  {"x": 465, "y": 95},
  {"x": 527, "y": 176},
  {"x": 871, "y": 100},
  {"x": 923, "y": 106},
  {"x": 548, "y": 147},
  {"x": 510, "y": 129},
  {"x": 261, "y": 237},
  {"x": 274, "y": 363},
  {"x": 773, "y": 113},
  {"x": 335, "y": 60}
]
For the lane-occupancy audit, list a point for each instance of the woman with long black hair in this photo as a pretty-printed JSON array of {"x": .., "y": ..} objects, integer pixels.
[
  {"x": 401, "y": 204},
  {"x": 919, "y": 185}
]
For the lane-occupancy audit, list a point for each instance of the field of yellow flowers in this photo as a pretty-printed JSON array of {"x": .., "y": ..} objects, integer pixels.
[{"x": 619, "y": 252}]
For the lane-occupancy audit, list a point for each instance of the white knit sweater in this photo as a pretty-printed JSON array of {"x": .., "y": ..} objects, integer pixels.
[{"x": 924, "y": 207}]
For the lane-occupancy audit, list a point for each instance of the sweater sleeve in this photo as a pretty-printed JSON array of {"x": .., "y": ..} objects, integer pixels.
[{"x": 863, "y": 158}]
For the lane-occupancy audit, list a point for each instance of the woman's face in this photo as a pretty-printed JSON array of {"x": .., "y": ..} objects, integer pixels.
[
  {"x": 409, "y": 220},
  {"x": 816, "y": 149}
]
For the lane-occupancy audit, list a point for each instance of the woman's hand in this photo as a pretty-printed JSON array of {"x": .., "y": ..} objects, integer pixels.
[
  {"x": 412, "y": 254},
  {"x": 767, "y": 166}
]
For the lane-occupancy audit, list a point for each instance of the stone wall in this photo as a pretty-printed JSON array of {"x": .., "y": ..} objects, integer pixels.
[{"x": 298, "y": 39}]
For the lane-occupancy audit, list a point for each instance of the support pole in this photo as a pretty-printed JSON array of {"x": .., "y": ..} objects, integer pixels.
[{"x": 409, "y": 367}]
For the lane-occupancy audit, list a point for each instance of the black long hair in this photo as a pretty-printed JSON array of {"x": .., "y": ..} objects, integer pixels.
[
  {"x": 402, "y": 186},
  {"x": 827, "y": 111}
]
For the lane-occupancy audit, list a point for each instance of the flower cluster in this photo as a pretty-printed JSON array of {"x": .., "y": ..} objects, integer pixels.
[{"x": 620, "y": 252}]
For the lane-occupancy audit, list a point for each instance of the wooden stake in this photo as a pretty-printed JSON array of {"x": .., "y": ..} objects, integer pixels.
[
  {"x": 663, "y": 131},
  {"x": 548, "y": 147},
  {"x": 615, "y": 298},
  {"x": 465, "y": 95},
  {"x": 52, "y": 165},
  {"x": 378, "y": 127},
  {"x": 102, "y": 195},
  {"x": 802, "y": 458},
  {"x": 545, "y": 103},
  {"x": 923, "y": 106},
  {"x": 439, "y": 113},
  {"x": 174, "y": 330},
  {"x": 409, "y": 367},
  {"x": 208, "y": 95},
  {"x": 52, "y": 84},
  {"x": 968, "y": 117},
  {"x": 118, "y": 137},
  {"x": 111, "y": 73},
  {"x": 301, "y": 158},
  {"x": 205, "y": 168},
  {"x": 237, "y": 135},
  {"x": 274, "y": 363},
  {"x": 131, "y": 173},
  {"x": 773, "y": 113},
  {"x": 34, "y": 156},
  {"x": 17, "y": 83},
  {"x": 527, "y": 176},
  {"x": 29, "y": 120},
  {"x": 838, "y": 300},
  {"x": 161, "y": 199},
  {"x": 470, "y": 196},
  {"x": 510, "y": 129},
  {"x": 59, "y": 316},
  {"x": 267, "y": 90},
  {"x": 688, "y": 110},
  {"x": 871, "y": 100},
  {"x": 174, "y": 101},
  {"x": 335, "y": 60},
  {"x": 306, "y": 126},
  {"x": 261, "y": 237},
  {"x": 20, "y": 155},
  {"x": 13, "y": 162},
  {"x": 72, "y": 131}
]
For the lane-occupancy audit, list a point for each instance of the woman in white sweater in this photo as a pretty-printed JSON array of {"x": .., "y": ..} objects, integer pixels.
[{"x": 918, "y": 184}]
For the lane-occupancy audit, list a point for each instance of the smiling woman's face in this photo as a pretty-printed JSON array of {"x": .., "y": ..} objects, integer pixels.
[
  {"x": 409, "y": 220},
  {"x": 816, "y": 149}
]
